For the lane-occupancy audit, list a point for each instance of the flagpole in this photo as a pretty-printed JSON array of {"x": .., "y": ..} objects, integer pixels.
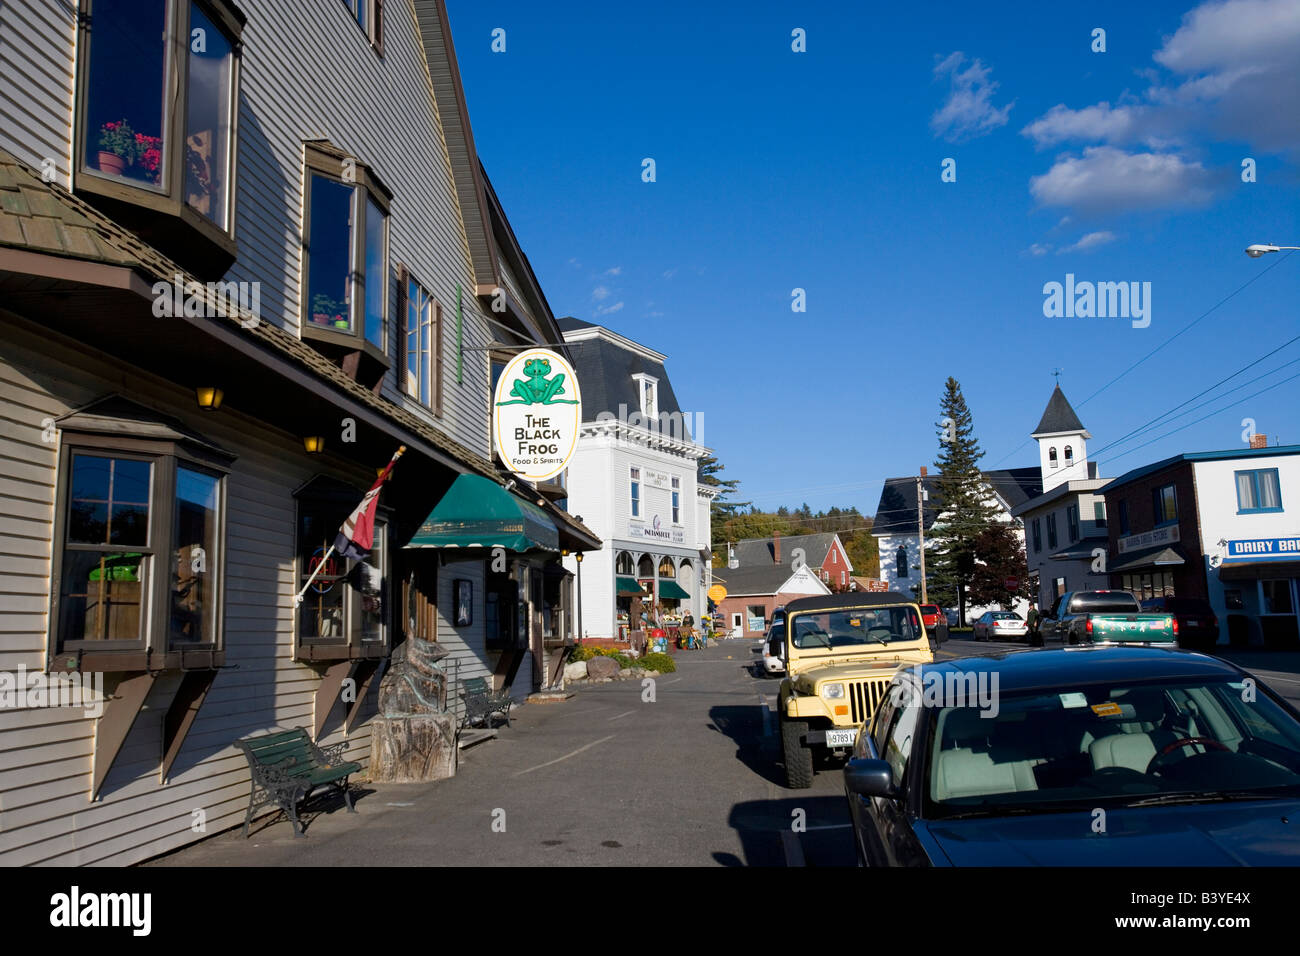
[
  {"x": 297, "y": 598},
  {"x": 386, "y": 473}
]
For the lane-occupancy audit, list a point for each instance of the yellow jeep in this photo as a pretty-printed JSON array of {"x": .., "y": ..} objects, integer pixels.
[{"x": 840, "y": 652}]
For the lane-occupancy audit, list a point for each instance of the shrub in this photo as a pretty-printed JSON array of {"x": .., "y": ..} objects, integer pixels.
[
  {"x": 663, "y": 663},
  {"x": 581, "y": 653}
]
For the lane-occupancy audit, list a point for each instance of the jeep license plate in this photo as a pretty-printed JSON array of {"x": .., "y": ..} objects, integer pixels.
[{"x": 840, "y": 738}]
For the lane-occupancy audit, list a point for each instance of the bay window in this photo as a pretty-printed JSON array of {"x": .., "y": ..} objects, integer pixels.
[
  {"x": 139, "y": 546},
  {"x": 345, "y": 254},
  {"x": 156, "y": 118},
  {"x": 344, "y": 609}
]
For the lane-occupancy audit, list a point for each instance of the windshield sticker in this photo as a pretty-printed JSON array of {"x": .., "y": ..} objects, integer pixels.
[
  {"x": 1074, "y": 699},
  {"x": 1107, "y": 709},
  {"x": 855, "y": 622}
]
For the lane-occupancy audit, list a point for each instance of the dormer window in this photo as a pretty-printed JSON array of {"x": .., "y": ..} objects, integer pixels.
[
  {"x": 157, "y": 104},
  {"x": 648, "y": 390}
]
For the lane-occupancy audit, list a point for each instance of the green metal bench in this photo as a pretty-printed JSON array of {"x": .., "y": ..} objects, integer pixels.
[
  {"x": 481, "y": 703},
  {"x": 288, "y": 767}
]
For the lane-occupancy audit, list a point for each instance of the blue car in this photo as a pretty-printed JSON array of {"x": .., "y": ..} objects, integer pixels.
[{"x": 1086, "y": 756}]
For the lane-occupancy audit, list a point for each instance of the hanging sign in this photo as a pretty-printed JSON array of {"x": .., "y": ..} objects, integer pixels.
[{"x": 536, "y": 413}]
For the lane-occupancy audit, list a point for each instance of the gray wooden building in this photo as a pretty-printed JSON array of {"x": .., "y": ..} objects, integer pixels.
[{"x": 246, "y": 252}]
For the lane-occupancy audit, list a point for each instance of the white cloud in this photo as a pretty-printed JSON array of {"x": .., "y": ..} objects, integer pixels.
[
  {"x": 1038, "y": 249},
  {"x": 1232, "y": 73},
  {"x": 1106, "y": 179},
  {"x": 600, "y": 293},
  {"x": 608, "y": 309},
  {"x": 1091, "y": 241},
  {"x": 669, "y": 273},
  {"x": 969, "y": 111},
  {"x": 1061, "y": 124},
  {"x": 615, "y": 271}
]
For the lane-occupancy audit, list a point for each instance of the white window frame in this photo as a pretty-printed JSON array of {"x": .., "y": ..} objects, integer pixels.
[
  {"x": 675, "y": 484},
  {"x": 634, "y": 490}
]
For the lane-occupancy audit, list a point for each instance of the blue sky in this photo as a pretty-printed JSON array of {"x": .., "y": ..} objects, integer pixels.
[{"x": 821, "y": 170}]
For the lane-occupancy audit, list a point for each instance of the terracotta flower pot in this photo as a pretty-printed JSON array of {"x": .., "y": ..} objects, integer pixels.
[{"x": 111, "y": 163}]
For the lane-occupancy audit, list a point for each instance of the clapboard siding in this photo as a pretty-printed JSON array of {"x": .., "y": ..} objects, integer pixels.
[
  {"x": 36, "y": 61},
  {"x": 307, "y": 73},
  {"x": 46, "y": 754},
  {"x": 312, "y": 76}
]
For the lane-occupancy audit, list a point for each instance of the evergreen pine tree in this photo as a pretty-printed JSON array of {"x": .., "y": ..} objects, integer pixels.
[{"x": 965, "y": 511}]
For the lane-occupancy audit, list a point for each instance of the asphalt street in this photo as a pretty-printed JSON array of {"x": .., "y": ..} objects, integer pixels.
[{"x": 691, "y": 777}]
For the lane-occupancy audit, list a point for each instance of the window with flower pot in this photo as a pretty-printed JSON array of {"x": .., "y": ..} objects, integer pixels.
[
  {"x": 345, "y": 253},
  {"x": 139, "y": 544},
  {"x": 156, "y": 112}
]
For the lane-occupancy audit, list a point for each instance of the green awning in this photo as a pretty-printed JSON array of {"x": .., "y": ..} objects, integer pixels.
[
  {"x": 672, "y": 590},
  {"x": 478, "y": 513},
  {"x": 628, "y": 587}
]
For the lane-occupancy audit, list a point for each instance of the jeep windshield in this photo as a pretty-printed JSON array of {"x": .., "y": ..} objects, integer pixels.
[{"x": 853, "y": 628}]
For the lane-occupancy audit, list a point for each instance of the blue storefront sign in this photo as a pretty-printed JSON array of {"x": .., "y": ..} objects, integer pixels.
[{"x": 1264, "y": 549}]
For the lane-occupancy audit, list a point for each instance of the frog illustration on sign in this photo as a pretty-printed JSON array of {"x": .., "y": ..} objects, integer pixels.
[{"x": 535, "y": 389}]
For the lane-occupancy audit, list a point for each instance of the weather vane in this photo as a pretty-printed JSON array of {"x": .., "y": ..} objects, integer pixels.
[{"x": 1057, "y": 374}]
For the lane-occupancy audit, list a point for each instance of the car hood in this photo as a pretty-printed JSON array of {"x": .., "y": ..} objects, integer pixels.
[
  {"x": 844, "y": 667},
  {"x": 1255, "y": 833}
]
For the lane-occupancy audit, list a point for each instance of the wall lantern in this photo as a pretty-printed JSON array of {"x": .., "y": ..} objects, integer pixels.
[
  {"x": 314, "y": 444},
  {"x": 209, "y": 398}
]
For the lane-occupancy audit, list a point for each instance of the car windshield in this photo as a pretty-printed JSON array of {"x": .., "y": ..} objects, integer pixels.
[
  {"x": 1112, "y": 745},
  {"x": 1005, "y": 616},
  {"x": 854, "y": 627}
]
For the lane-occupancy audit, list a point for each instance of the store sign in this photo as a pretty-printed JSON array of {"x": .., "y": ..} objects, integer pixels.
[
  {"x": 654, "y": 479},
  {"x": 717, "y": 594},
  {"x": 1149, "y": 539},
  {"x": 655, "y": 531},
  {"x": 1263, "y": 549},
  {"x": 536, "y": 413}
]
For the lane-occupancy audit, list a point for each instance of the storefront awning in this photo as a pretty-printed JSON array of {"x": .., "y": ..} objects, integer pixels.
[
  {"x": 1080, "y": 550},
  {"x": 1257, "y": 570},
  {"x": 1159, "y": 557},
  {"x": 478, "y": 513},
  {"x": 672, "y": 591},
  {"x": 627, "y": 587}
]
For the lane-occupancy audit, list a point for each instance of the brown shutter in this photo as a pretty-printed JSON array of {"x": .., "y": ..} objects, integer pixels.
[
  {"x": 402, "y": 319},
  {"x": 437, "y": 338}
]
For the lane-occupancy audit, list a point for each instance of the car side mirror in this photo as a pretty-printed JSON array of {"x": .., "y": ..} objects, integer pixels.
[{"x": 869, "y": 778}]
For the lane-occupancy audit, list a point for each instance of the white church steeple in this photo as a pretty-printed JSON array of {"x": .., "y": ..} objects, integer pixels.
[{"x": 1062, "y": 443}]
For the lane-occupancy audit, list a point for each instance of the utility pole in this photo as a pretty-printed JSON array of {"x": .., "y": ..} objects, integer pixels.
[{"x": 920, "y": 528}]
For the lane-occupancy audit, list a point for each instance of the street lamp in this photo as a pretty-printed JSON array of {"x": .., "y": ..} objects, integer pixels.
[
  {"x": 1259, "y": 249},
  {"x": 578, "y": 558}
]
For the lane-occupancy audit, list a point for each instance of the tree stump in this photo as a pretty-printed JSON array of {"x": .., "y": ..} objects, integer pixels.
[{"x": 413, "y": 749}]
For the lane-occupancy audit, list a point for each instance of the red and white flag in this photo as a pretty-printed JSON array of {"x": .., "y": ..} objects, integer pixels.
[{"x": 357, "y": 536}]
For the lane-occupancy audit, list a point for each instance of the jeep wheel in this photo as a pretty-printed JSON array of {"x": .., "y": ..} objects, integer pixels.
[{"x": 798, "y": 758}]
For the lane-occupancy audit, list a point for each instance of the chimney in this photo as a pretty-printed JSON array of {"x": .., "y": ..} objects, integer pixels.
[
  {"x": 731, "y": 556},
  {"x": 776, "y": 547},
  {"x": 923, "y": 471},
  {"x": 1258, "y": 441}
]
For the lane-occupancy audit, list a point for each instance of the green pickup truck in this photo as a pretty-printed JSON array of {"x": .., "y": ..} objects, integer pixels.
[{"x": 1106, "y": 617}]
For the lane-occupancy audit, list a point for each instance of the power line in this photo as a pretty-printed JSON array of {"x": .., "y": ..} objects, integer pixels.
[
  {"x": 1255, "y": 278},
  {"x": 1155, "y": 421},
  {"x": 1211, "y": 415}
]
